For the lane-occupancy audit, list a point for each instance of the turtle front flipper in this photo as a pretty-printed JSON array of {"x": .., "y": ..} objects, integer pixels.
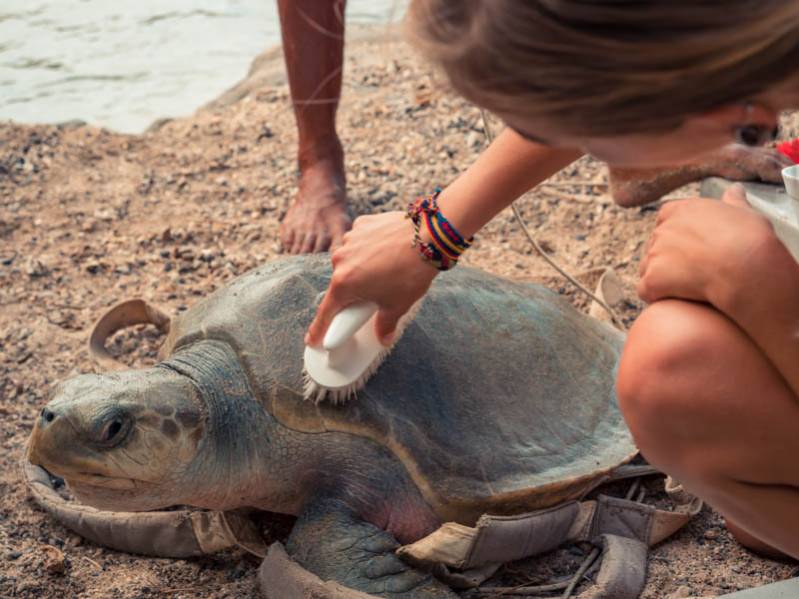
[{"x": 332, "y": 542}]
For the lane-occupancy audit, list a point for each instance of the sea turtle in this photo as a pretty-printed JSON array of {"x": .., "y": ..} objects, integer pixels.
[{"x": 499, "y": 398}]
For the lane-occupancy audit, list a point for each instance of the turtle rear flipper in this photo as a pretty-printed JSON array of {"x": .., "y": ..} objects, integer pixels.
[{"x": 333, "y": 543}]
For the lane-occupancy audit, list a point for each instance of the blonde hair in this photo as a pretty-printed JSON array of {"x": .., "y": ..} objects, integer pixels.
[{"x": 608, "y": 67}]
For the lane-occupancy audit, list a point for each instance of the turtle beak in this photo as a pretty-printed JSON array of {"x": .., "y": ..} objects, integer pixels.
[
  {"x": 56, "y": 445},
  {"x": 52, "y": 434}
]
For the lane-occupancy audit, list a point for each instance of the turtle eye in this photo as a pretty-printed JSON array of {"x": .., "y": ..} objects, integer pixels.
[{"x": 114, "y": 431}]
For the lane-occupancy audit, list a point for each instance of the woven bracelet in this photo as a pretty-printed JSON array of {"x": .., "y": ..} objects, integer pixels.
[{"x": 446, "y": 245}]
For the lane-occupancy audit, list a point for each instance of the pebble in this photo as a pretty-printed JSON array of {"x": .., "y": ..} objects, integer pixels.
[
  {"x": 682, "y": 592},
  {"x": 54, "y": 561},
  {"x": 36, "y": 268}
]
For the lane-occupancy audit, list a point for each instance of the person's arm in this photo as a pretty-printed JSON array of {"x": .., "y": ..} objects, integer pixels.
[
  {"x": 636, "y": 187},
  {"x": 508, "y": 168},
  {"x": 765, "y": 304},
  {"x": 377, "y": 261},
  {"x": 727, "y": 255}
]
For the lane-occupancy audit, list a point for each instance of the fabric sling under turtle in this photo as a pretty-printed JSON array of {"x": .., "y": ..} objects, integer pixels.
[{"x": 498, "y": 399}]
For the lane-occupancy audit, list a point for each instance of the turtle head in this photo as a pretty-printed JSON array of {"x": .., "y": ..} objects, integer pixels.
[{"x": 122, "y": 441}]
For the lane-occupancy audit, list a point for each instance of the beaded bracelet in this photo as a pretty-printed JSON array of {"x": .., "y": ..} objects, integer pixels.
[{"x": 446, "y": 245}]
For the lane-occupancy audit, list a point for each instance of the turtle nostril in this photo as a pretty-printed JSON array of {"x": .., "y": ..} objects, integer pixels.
[{"x": 48, "y": 415}]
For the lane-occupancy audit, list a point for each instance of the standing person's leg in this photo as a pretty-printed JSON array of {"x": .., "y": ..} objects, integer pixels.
[{"x": 313, "y": 43}]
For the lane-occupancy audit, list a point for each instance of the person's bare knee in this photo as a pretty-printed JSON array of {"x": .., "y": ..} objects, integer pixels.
[{"x": 671, "y": 352}]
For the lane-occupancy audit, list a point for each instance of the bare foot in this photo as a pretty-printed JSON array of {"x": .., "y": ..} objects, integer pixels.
[{"x": 318, "y": 217}]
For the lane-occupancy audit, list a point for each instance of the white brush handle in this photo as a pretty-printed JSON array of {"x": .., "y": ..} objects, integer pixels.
[{"x": 346, "y": 323}]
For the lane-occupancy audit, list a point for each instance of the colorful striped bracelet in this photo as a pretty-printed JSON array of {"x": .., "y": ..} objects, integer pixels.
[{"x": 446, "y": 245}]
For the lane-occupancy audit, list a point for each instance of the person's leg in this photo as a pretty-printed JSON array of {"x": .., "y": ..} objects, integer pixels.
[
  {"x": 313, "y": 43},
  {"x": 706, "y": 406}
]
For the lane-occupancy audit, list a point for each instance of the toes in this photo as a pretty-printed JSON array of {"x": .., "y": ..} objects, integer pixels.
[
  {"x": 299, "y": 241},
  {"x": 287, "y": 239},
  {"x": 322, "y": 243},
  {"x": 308, "y": 243}
]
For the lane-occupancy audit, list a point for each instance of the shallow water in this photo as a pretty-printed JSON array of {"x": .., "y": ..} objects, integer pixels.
[{"x": 122, "y": 64}]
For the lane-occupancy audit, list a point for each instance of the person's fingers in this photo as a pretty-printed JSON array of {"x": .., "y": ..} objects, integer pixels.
[
  {"x": 322, "y": 243},
  {"x": 337, "y": 241},
  {"x": 386, "y": 325},
  {"x": 667, "y": 210},
  {"x": 337, "y": 256},
  {"x": 329, "y": 307},
  {"x": 735, "y": 196},
  {"x": 644, "y": 291},
  {"x": 308, "y": 243}
]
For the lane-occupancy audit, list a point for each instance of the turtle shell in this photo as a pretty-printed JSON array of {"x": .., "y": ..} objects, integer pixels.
[{"x": 498, "y": 398}]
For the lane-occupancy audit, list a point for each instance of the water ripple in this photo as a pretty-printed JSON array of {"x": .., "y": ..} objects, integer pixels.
[{"x": 124, "y": 64}]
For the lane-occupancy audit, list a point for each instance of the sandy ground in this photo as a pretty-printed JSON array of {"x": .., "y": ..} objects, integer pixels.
[{"x": 88, "y": 217}]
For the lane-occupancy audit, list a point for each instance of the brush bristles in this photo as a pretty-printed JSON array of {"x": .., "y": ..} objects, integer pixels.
[{"x": 313, "y": 391}]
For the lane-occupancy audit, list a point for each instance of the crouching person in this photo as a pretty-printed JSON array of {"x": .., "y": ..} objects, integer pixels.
[{"x": 709, "y": 379}]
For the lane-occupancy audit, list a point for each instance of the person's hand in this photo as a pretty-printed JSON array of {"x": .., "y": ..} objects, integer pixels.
[
  {"x": 376, "y": 263},
  {"x": 742, "y": 163},
  {"x": 705, "y": 250}
]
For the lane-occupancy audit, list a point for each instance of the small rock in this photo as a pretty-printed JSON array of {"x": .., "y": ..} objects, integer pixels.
[
  {"x": 266, "y": 133},
  {"x": 474, "y": 139},
  {"x": 547, "y": 246},
  {"x": 682, "y": 592},
  {"x": 711, "y": 534},
  {"x": 106, "y": 214},
  {"x": 13, "y": 555},
  {"x": 53, "y": 559},
  {"x": 36, "y": 268}
]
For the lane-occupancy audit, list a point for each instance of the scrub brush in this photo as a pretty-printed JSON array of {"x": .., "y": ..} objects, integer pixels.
[{"x": 349, "y": 355}]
